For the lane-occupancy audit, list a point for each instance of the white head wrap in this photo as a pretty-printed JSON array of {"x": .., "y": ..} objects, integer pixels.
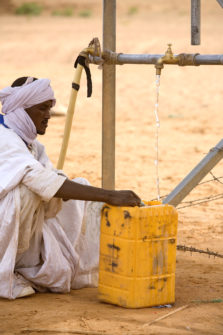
[{"x": 16, "y": 99}]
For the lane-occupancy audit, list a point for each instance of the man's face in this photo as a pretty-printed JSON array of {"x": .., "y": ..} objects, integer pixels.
[{"x": 40, "y": 114}]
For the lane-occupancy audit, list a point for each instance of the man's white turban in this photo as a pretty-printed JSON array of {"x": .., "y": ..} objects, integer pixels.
[{"x": 16, "y": 99}]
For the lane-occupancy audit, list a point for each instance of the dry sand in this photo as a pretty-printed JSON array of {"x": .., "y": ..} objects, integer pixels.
[{"x": 191, "y": 123}]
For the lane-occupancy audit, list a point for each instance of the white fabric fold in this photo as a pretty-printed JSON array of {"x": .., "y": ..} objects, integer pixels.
[{"x": 44, "y": 242}]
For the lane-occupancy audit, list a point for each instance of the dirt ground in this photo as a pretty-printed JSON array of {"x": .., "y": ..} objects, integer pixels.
[{"x": 190, "y": 108}]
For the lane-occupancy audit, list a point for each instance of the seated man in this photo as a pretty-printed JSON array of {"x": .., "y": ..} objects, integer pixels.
[{"x": 46, "y": 244}]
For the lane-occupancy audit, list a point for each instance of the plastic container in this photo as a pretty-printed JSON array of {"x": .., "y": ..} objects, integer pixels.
[{"x": 138, "y": 255}]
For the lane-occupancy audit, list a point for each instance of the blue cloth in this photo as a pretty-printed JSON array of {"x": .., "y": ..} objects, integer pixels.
[{"x": 2, "y": 121}]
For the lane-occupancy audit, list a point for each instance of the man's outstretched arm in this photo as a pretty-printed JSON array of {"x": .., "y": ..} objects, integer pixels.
[{"x": 76, "y": 191}]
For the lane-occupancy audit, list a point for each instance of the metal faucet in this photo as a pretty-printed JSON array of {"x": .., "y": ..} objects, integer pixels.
[
  {"x": 93, "y": 49},
  {"x": 168, "y": 58}
]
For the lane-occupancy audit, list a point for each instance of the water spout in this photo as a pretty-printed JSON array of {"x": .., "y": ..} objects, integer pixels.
[{"x": 156, "y": 162}]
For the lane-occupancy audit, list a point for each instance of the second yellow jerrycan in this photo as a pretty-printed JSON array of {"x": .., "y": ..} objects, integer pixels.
[{"x": 138, "y": 255}]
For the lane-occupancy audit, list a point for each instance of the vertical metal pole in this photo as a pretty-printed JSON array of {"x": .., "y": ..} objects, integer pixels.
[
  {"x": 108, "y": 97},
  {"x": 195, "y": 21}
]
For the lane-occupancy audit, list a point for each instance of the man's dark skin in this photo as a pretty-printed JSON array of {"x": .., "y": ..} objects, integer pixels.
[{"x": 40, "y": 115}]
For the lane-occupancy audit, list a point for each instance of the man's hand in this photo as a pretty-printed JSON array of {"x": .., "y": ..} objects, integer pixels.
[{"x": 124, "y": 198}]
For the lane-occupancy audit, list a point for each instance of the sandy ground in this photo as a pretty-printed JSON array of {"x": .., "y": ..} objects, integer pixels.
[{"x": 190, "y": 110}]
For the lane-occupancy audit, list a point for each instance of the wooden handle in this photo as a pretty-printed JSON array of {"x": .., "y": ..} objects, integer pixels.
[{"x": 69, "y": 117}]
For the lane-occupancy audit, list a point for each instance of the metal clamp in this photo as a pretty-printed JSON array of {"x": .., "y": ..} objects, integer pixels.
[
  {"x": 111, "y": 57},
  {"x": 187, "y": 59}
]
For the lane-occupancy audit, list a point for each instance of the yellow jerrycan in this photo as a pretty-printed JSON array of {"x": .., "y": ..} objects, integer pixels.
[{"x": 138, "y": 255}]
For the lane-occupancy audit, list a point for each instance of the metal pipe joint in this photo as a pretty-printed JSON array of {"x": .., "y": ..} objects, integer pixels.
[
  {"x": 188, "y": 59},
  {"x": 111, "y": 57}
]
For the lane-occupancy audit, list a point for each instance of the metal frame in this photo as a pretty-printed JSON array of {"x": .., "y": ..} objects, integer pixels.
[
  {"x": 121, "y": 59},
  {"x": 195, "y": 21},
  {"x": 195, "y": 176},
  {"x": 111, "y": 58},
  {"x": 108, "y": 97},
  {"x": 220, "y": 3}
]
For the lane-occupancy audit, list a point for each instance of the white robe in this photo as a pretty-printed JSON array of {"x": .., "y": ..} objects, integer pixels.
[{"x": 45, "y": 242}]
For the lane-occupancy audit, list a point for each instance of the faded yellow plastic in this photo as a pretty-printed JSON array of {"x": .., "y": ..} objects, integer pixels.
[{"x": 138, "y": 255}]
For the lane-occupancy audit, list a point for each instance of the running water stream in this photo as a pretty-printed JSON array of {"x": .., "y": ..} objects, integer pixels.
[{"x": 156, "y": 162}]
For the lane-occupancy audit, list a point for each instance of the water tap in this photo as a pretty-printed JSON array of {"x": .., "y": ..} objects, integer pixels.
[
  {"x": 93, "y": 49},
  {"x": 168, "y": 58}
]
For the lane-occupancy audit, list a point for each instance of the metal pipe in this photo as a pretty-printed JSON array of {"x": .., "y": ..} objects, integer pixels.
[
  {"x": 220, "y": 3},
  {"x": 195, "y": 176},
  {"x": 108, "y": 97},
  {"x": 195, "y": 21},
  {"x": 209, "y": 59},
  {"x": 122, "y": 59}
]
